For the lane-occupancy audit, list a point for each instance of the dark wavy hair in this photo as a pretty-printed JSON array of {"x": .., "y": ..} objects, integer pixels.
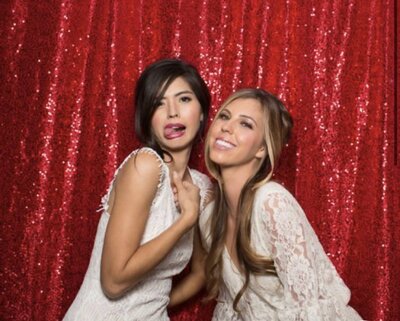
[{"x": 150, "y": 89}]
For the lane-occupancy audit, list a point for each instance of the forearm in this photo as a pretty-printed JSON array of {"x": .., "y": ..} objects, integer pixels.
[
  {"x": 120, "y": 279},
  {"x": 187, "y": 288}
]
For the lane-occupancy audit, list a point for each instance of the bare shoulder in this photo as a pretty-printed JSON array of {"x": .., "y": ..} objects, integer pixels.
[{"x": 141, "y": 168}]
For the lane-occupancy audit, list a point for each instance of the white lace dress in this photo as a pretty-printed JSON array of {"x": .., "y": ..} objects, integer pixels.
[
  {"x": 148, "y": 300},
  {"x": 307, "y": 287}
]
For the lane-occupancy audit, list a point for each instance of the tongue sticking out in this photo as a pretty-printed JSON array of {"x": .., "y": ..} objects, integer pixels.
[{"x": 173, "y": 132}]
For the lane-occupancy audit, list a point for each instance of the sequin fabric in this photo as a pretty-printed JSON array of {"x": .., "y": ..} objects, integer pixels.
[{"x": 67, "y": 73}]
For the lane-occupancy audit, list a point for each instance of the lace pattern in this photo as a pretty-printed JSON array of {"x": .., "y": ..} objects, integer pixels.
[{"x": 307, "y": 286}]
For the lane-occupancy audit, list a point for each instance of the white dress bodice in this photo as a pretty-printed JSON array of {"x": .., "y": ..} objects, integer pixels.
[
  {"x": 149, "y": 298},
  {"x": 307, "y": 286}
]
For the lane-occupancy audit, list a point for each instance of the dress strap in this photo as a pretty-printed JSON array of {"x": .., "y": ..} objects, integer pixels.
[
  {"x": 205, "y": 185},
  {"x": 162, "y": 165}
]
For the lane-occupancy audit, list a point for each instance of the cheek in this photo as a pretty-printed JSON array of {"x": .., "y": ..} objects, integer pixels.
[
  {"x": 156, "y": 122},
  {"x": 246, "y": 136},
  {"x": 251, "y": 140},
  {"x": 193, "y": 113}
]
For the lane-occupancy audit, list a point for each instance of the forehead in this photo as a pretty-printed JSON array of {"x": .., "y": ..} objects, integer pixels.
[
  {"x": 245, "y": 106},
  {"x": 177, "y": 85}
]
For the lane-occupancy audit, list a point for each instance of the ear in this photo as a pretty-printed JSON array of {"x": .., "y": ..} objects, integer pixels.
[
  {"x": 201, "y": 117},
  {"x": 262, "y": 152}
]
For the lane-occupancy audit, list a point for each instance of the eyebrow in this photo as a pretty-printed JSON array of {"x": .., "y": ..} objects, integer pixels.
[{"x": 181, "y": 93}]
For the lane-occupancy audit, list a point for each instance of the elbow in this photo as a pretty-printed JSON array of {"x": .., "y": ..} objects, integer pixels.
[
  {"x": 112, "y": 289},
  {"x": 115, "y": 281}
]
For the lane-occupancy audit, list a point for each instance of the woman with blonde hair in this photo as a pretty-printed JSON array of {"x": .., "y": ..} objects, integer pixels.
[{"x": 264, "y": 260}]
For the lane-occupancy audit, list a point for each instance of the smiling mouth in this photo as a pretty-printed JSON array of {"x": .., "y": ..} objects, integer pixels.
[{"x": 223, "y": 144}]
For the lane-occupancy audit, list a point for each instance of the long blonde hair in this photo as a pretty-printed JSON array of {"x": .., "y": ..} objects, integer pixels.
[{"x": 278, "y": 124}]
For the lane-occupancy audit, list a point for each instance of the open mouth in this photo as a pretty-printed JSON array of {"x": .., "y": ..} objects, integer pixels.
[
  {"x": 223, "y": 144},
  {"x": 174, "y": 130}
]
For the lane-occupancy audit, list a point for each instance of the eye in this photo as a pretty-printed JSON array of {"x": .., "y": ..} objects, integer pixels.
[
  {"x": 223, "y": 116},
  {"x": 246, "y": 124},
  {"x": 159, "y": 103},
  {"x": 185, "y": 99}
]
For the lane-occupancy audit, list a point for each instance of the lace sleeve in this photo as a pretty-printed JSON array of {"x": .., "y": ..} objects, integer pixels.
[
  {"x": 301, "y": 264},
  {"x": 293, "y": 257}
]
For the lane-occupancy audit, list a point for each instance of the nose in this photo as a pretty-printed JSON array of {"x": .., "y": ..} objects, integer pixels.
[
  {"x": 172, "y": 110},
  {"x": 226, "y": 127}
]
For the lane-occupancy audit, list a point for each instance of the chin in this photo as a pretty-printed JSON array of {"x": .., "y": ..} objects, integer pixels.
[
  {"x": 219, "y": 159},
  {"x": 178, "y": 147}
]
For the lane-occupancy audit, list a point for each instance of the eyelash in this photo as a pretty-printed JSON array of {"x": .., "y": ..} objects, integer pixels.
[
  {"x": 246, "y": 124},
  {"x": 242, "y": 123},
  {"x": 223, "y": 116},
  {"x": 186, "y": 99}
]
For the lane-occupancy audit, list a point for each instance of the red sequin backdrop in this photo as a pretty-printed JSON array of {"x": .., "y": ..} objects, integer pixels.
[{"x": 68, "y": 69}]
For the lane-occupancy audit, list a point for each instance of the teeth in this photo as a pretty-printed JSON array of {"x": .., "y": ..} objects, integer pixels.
[{"x": 224, "y": 143}]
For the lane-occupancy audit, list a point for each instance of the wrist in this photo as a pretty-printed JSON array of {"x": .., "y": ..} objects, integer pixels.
[{"x": 186, "y": 221}]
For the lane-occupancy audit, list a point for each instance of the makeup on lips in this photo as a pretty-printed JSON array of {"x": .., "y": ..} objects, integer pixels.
[{"x": 172, "y": 131}]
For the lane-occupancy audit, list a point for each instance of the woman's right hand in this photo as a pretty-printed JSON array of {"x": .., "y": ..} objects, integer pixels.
[{"x": 188, "y": 197}]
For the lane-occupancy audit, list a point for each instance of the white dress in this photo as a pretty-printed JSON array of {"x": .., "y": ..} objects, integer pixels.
[
  {"x": 307, "y": 286},
  {"x": 148, "y": 300}
]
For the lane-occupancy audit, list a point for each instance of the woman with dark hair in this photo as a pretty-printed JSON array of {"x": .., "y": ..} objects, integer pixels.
[
  {"x": 264, "y": 259},
  {"x": 145, "y": 235}
]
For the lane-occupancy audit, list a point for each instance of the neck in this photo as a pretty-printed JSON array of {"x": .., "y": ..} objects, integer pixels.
[
  {"x": 234, "y": 180},
  {"x": 179, "y": 162}
]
